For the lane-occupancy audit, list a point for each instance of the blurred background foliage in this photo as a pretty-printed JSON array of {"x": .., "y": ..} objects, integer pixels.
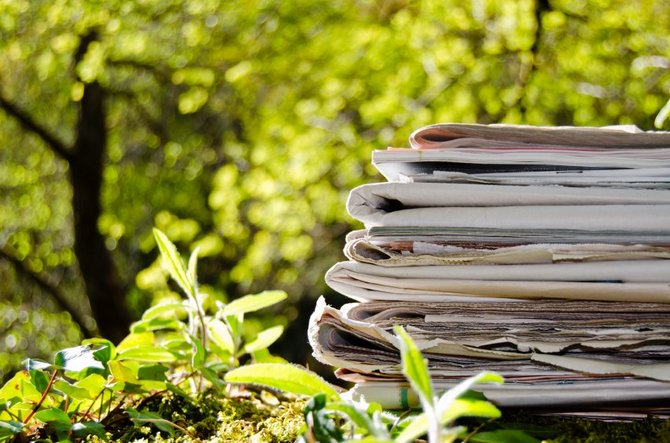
[{"x": 240, "y": 126}]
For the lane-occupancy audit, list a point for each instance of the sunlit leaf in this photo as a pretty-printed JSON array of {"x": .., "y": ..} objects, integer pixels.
[
  {"x": 165, "y": 310},
  {"x": 103, "y": 349},
  {"x": 464, "y": 386},
  {"x": 284, "y": 377},
  {"x": 123, "y": 372},
  {"x": 173, "y": 262},
  {"x": 251, "y": 303},
  {"x": 53, "y": 415},
  {"x": 77, "y": 359},
  {"x": 20, "y": 386},
  {"x": 220, "y": 335},
  {"x": 93, "y": 383},
  {"x": 136, "y": 339},
  {"x": 264, "y": 339},
  {"x": 37, "y": 365},
  {"x": 198, "y": 357},
  {"x": 72, "y": 391},
  {"x": 414, "y": 366},
  {"x": 469, "y": 408},
  {"x": 152, "y": 354},
  {"x": 662, "y": 115},
  {"x": 156, "y": 324},
  {"x": 193, "y": 265}
]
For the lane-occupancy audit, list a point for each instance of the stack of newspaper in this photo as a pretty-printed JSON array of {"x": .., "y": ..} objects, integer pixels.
[{"x": 541, "y": 253}]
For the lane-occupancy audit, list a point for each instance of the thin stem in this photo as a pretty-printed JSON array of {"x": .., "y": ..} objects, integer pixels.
[
  {"x": 44, "y": 396},
  {"x": 88, "y": 411}
]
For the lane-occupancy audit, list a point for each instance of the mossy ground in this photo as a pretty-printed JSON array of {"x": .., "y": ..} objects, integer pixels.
[
  {"x": 570, "y": 429},
  {"x": 258, "y": 417},
  {"x": 264, "y": 417}
]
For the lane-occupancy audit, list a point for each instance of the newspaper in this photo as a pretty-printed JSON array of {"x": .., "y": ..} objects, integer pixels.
[
  {"x": 540, "y": 253},
  {"x": 427, "y": 253},
  {"x": 630, "y": 281},
  {"x": 552, "y": 207},
  {"x": 478, "y": 149},
  {"x": 575, "y": 364}
]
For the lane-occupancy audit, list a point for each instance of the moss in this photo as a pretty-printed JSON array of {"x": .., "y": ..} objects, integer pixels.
[
  {"x": 213, "y": 418},
  {"x": 253, "y": 419},
  {"x": 258, "y": 418},
  {"x": 563, "y": 429}
]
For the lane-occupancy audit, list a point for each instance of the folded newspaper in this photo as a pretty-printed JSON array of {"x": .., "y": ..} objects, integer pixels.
[
  {"x": 540, "y": 253},
  {"x": 516, "y": 149}
]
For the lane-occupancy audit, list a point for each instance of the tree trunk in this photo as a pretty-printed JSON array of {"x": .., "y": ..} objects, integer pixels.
[{"x": 105, "y": 292}]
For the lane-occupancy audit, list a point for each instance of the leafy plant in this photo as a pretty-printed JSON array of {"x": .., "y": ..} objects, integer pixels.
[
  {"x": 174, "y": 345},
  {"x": 331, "y": 417}
]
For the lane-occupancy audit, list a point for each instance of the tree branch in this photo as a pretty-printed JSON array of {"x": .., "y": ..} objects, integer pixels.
[
  {"x": 162, "y": 74},
  {"x": 49, "y": 289},
  {"x": 527, "y": 71},
  {"x": 28, "y": 123}
]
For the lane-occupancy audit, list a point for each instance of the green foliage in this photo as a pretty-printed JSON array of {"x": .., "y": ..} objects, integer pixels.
[
  {"x": 165, "y": 351},
  {"x": 332, "y": 418}
]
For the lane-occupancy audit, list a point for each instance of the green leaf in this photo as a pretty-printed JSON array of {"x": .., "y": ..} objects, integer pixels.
[
  {"x": 416, "y": 428},
  {"x": 469, "y": 408},
  {"x": 73, "y": 391},
  {"x": 235, "y": 323},
  {"x": 152, "y": 372},
  {"x": 94, "y": 383},
  {"x": 463, "y": 387},
  {"x": 284, "y": 377},
  {"x": 38, "y": 365},
  {"x": 156, "y": 324},
  {"x": 9, "y": 428},
  {"x": 264, "y": 356},
  {"x": 124, "y": 371},
  {"x": 77, "y": 359},
  {"x": 81, "y": 429},
  {"x": 264, "y": 339},
  {"x": 103, "y": 349},
  {"x": 39, "y": 379},
  {"x": 53, "y": 415},
  {"x": 662, "y": 115},
  {"x": 152, "y": 354},
  {"x": 220, "y": 335},
  {"x": 193, "y": 266},
  {"x": 20, "y": 386},
  {"x": 213, "y": 378},
  {"x": 153, "y": 418},
  {"x": 198, "y": 357},
  {"x": 174, "y": 263},
  {"x": 414, "y": 367},
  {"x": 458, "y": 408},
  {"x": 251, "y": 303},
  {"x": 503, "y": 436},
  {"x": 136, "y": 339},
  {"x": 165, "y": 310}
]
